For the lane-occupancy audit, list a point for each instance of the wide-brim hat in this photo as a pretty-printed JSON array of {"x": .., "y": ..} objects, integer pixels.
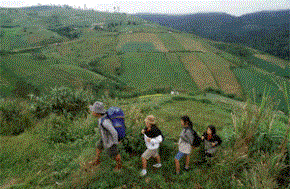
[
  {"x": 98, "y": 107},
  {"x": 150, "y": 119}
]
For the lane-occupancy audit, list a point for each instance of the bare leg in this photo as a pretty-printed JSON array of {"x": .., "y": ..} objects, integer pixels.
[
  {"x": 158, "y": 159},
  {"x": 97, "y": 158},
  {"x": 177, "y": 166},
  {"x": 144, "y": 163},
  {"x": 187, "y": 158},
  {"x": 118, "y": 162}
]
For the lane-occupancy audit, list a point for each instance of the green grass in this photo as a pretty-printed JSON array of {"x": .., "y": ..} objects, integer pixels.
[
  {"x": 39, "y": 164},
  {"x": 160, "y": 74},
  {"x": 45, "y": 75}
]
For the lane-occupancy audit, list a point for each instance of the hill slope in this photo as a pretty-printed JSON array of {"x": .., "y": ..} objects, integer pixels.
[
  {"x": 267, "y": 31},
  {"x": 128, "y": 56}
]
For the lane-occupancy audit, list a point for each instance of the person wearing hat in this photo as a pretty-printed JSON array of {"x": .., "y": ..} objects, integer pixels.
[
  {"x": 152, "y": 137},
  {"x": 109, "y": 136}
]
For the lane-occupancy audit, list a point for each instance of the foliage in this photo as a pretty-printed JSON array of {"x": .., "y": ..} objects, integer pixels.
[
  {"x": 14, "y": 117},
  {"x": 62, "y": 101}
]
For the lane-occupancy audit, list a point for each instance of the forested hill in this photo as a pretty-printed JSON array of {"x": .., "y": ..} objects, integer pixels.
[{"x": 267, "y": 31}]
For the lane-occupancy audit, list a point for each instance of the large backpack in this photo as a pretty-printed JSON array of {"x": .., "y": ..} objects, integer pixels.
[
  {"x": 116, "y": 115},
  {"x": 197, "y": 140}
]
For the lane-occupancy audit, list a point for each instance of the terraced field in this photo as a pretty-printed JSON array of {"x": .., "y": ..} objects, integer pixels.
[
  {"x": 225, "y": 78},
  {"x": 273, "y": 59},
  {"x": 44, "y": 76},
  {"x": 170, "y": 42},
  {"x": 84, "y": 49},
  {"x": 256, "y": 81},
  {"x": 159, "y": 74},
  {"x": 188, "y": 43},
  {"x": 199, "y": 71},
  {"x": 141, "y": 38}
]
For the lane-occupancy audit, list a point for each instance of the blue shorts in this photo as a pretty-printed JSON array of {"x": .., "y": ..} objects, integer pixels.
[{"x": 179, "y": 155}]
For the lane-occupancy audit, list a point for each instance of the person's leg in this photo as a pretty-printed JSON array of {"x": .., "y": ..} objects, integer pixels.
[
  {"x": 99, "y": 149},
  {"x": 118, "y": 162},
  {"x": 177, "y": 166},
  {"x": 178, "y": 156},
  {"x": 144, "y": 163},
  {"x": 157, "y": 156},
  {"x": 187, "y": 158},
  {"x": 145, "y": 156},
  {"x": 97, "y": 158},
  {"x": 158, "y": 159},
  {"x": 114, "y": 152}
]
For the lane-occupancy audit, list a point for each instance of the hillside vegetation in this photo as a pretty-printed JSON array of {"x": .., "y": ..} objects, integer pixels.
[
  {"x": 129, "y": 56},
  {"x": 56, "y": 61},
  {"x": 267, "y": 31}
]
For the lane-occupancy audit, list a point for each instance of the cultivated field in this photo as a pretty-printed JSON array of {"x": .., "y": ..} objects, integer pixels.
[
  {"x": 189, "y": 43},
  {"x": 142, "y": 37},
  {"x": 199, "y": 71},
  {"x": 159, "y": 74},
  {"x": 274, "y": 60},
  {"x": 224, "y": 77},
  {"x": 170, "y": 42}
]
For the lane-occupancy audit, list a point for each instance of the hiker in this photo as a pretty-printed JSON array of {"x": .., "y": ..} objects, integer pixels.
[
  {"x": 211, "y": 141},
  {"x": 109, "y": 136},
  {"x": 153, "y": 138},
  {"x": 186, "y": 140}
]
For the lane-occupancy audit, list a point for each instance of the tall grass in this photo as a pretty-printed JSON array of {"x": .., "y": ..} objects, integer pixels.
[{"x": 65, "y": 145}]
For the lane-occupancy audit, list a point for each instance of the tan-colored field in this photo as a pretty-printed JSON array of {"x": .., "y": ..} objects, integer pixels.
[
  {"x": 272, "y": 59},
  {"x": 199, "y": 72},
  {"x": 220, "y": 70},
  {"x": 189, "y": 43},
  {"x": 142, "y": 37}
]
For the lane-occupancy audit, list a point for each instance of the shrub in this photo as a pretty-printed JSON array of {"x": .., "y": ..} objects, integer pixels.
[
  {"x": 56, "y": 129},
  {"x": 63, "y": 101},
  {"x": 14, "y": 117}
]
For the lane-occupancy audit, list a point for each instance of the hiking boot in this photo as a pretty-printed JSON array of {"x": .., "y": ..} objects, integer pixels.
[
  {"x": 158, "y": 165},
  {"x": 143, "y": 172}
]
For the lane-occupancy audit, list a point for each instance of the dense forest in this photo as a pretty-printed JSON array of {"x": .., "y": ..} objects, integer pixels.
[{"x": 267, "y": 31}]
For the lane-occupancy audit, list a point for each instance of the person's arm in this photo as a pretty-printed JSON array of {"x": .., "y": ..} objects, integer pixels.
[
  {"x": 190, "y": 136},
  {"x": 218, "y": 140},
  {"x": 203, "y": 136},
  {"x": 107, "y": 124},
  {"x": 156, "y": 139}
]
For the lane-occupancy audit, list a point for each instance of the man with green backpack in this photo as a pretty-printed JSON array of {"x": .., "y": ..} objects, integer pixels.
[{"x": 112, "y": 130}]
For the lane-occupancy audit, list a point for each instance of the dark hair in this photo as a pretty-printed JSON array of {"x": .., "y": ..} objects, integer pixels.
[
  {"x": 212, "y": 128},
  {"x": 187, "y": 121}
]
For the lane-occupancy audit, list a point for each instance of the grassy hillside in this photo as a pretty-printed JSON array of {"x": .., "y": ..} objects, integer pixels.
[
  {"x": 70, "y": 45},
  {"x": 54, "y": 150}
]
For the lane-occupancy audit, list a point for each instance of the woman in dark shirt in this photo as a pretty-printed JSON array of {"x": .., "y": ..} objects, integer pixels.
[{"x": 211, "y": 141}]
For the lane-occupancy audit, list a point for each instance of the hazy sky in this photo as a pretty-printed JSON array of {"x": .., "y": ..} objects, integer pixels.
[{"x": 234, "y": 7}]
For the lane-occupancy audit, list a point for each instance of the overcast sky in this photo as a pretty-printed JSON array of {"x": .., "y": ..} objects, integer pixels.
[{"x": 234, "y": 7}]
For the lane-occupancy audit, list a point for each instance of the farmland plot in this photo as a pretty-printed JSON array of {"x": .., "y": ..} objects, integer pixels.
[
  {"x": 189, "y": 43},
  {"x": 224, "y": 77},
  {"x": 170, "y": 42},
  {"x": 142, "y": 38},
  {"x": 269, "y": 66},
  {"x": 45, "y": 76},
  {"x": 274, "y": 60},
  {"x": 199, "y": 71},
  {"x": 160, "y": 74},
  {"x": 255, "y": 82}
]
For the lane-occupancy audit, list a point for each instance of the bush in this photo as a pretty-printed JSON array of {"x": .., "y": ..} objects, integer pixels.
[
  {"x": 63, "y": 101},
  {"x": 14, "y": 117}
]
